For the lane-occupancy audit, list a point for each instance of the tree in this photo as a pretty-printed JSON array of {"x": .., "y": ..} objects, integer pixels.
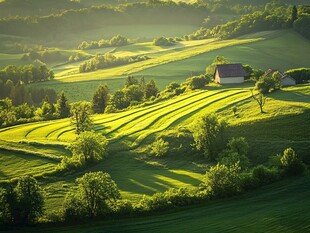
[
  {"x": 208, "y": 135},
  {"x": 260, "y": 99},
  {"x": 89, "y": 147},
  {"x": 22, "y": 204},
  {"x": 48, "y": 109},
  {"x": 62, "y": 106},
  {"x": 291, "y": 164},
  {"x": 130, "y": 80},
  {"x": 160, "y": 147},
  {"x": 100, "y": 99},
  {"x": 80, "y": 113},
  {"x": 294, "y": 14},
  {"x": 238, "y": 145},
  {"x": 95, "y": 190},
  {"x": 133, "y": 93},
  {"x": 222, "y": 180},
  {"x": 150, "y": 90},
  {"x": 217, "y": 61},
  {"x": 118, "y": 100}
]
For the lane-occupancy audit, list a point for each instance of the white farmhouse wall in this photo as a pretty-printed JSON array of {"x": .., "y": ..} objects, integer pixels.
[
  {"x": 231, "y": 80},
  {"x": 217, "y": 77}
]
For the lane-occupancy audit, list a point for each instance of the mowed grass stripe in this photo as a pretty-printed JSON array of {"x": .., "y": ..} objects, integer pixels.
[
  {"x": 172, "y": 120},
  {"x": 140, "y": 120}
]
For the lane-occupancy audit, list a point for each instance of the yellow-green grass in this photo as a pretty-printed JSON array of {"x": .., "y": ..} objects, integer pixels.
[
  {"x": 273, "y": 49},
  {"x": 281, "y": 50},
  {"x": 280, "y": 207},
  {"x": 17, "y": 164},
  {"x": 10, "y": 59},
  {"x": 284, "y": 124},
  {"x": 139, "y": 66}
]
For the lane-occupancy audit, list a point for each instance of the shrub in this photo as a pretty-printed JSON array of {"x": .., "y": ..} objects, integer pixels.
[
  {"x": 263, "y": 175},
  {"x": 290, "y": 163},
  {"x": 230, "y": 158},
  {"x": 222, "y": 180},
  {"x": 159, "y": 148},
  {"x": 162, "y": 41}
]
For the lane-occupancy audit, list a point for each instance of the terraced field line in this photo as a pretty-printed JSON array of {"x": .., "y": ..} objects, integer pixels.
[
  {"x": 134, "y": 124},
  {"x": 128, "y": 121},
  {"x": 159, "y": 117},
  {"x": 167, "y": 122}
]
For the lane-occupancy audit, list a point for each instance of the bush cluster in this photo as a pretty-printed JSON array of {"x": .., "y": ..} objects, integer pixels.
[
  {"x": 108, "y": 60},
  {"x": 115, "y": 41}
]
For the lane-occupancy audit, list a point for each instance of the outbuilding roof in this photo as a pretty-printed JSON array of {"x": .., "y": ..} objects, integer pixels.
[{"x": 231, "y": 70}]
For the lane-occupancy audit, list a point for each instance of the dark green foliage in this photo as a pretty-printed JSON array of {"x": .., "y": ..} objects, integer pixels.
[
  {"x": 302, "y": 24},
  {"x": 172, "y": 198},
  {"x": 26, "y": 74},
  {"x": 209, "y": 135},
  {"x": 197, "y": 82},
  {"x": 222, "y": 180},
  {"x": 62, "y": 106},
  {"x": 22, "y": 204},
  {"x": 274, "y": 16},
  {"x": 115, "y": 41},
  {"x": 95, "y": 190},
  {"x": 45, "y": 56},
  {"x": 294, "y": 13},
  {"x": 290, "y": 163},
  {"x": 47, "y": 110},
  {"x": 150, "y": 90},
  {"x": 89, "y": 147},
  {"x": 100, "y": 99},
  {"x": 267, "y": 83},
  {"x": 80, "y": 114},
  {"x": 163, "y": 41},
  {"x": 108, "y": 60},
  {"x": 263, "y": 175},
  {"x": 301, "y": 75}
]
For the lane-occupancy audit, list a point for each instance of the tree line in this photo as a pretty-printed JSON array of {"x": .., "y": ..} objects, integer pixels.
[
  {"x": 115, "y": 41},
  {"x": 108, "y": 60},
  {"x": 275, "y": 15}
]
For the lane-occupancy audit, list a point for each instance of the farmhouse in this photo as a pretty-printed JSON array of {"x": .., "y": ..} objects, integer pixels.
[
  {"x": 286, "y": 79},
  {"x": 229, "y": 73}
]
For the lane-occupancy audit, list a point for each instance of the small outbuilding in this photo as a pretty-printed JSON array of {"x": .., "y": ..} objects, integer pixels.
[
  {"x": 229, "y": 73},
  {"x": 286, "y": 79}
]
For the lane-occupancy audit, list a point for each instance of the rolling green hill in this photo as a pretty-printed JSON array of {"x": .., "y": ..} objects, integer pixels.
[
  {"x": 272, "y": 49},
  {"x": 285, "y": 124},
  {"x": 281, "y": 207}
]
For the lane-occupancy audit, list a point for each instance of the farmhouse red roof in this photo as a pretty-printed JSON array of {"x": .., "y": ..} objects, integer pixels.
[{"x": 231, "y": 70}]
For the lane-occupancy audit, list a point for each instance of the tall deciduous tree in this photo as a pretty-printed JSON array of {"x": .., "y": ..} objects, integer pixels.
[
  {"x": 150, "y": 90},
  {"x": 80, "y": 113},
  {"x": 95, "y": 190},
  {"x": 89, "y": 147},
  {"x": 209, "y": 135},
  {"x": 100, "y": 99}
]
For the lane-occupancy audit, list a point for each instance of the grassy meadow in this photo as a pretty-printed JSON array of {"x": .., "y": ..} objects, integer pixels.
[
  {"x": 280, "y": 207},
  {"x": 130, "y": 132},
  {"x": 271, "y": 49}
]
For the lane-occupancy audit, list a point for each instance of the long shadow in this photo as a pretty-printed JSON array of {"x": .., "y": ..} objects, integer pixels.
[{"x": 292, "y": 96}]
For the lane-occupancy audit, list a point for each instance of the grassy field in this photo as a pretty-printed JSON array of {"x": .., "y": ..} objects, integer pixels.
[
  {"x": 284, "y": 124},
  {"x": 281, "y": 207},
  {"x": 272, "y": 49}
]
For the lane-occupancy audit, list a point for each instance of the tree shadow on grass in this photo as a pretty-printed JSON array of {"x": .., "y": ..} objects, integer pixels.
[{"x": 292, "y": 96}]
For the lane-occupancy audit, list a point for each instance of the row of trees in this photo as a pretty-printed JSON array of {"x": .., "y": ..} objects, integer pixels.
[
  {"x": 26, "y": 74},
  {"x": 115, "y": 41},
  {"x": 44, "y": 56},
  {"x": 108, "y": 60},
  {"x": 276, "y": 15}
]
